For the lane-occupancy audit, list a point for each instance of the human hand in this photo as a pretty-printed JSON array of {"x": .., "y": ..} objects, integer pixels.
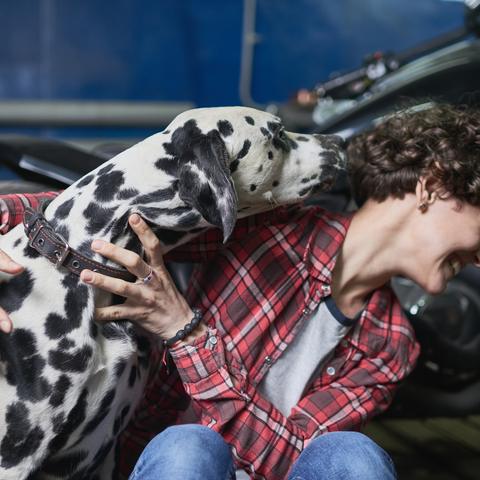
[
  {"x": 157, "y": 305},
  {"x": 7, "y": 265}
]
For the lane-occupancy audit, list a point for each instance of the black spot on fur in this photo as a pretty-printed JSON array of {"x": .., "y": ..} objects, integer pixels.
[
  {"x": 56, "y": 326},
  {"x": 76, "y": 299},
  {"x": 66, "y": 344},
  {"x": 253, "y": 187},
  {"x": 168, "y": 165},
  {"x": 270, "y": 155},
  {"x": 274, "y": 127},
  {"x": 241, "y": 154},
  {"x": 275, "y": 183},
  {"x": 76, "y": 362},
  {"x": 106, "y": 169},
  {"x": 15, "y": 291},
  {"x": 119, "y": 367},
  {"x": 302, "y": 139},
  {"x": 102, "y": 412},
  {"x": 293, "y": 144},
  {"x": 66, "y": 465},
  {"x": 234, "y": 165},
  {"x": 133, "y": 244},
  {"x": 31, "y": 253},
  {"x": 244, "y": 151},
  {"x": 281, "y": 144},
  {"x": 118, "y": 330},
  {"x": 98, "y": 217},
  {"x": 93, "y": 330},
  {"x": 118, "y": 227},
  {"x": 305, "y": 180},
  {"x": 127, "y": 193},
  {"x": 24, "y": 365},
  {"x": 162, "y": 195},
  {"x": 266, "y": 132},
  {"x": 21, "y": 440},
  {"x": 250, "y": 120},
  {"x": 225, "y": 128},
  {"x": 85, "y": 181},
  {"x": 169, "y": 237},
  {"x": 60, "y": 390},
  {"x": 108, "y": 185},
  {"x": 62, "y": 212},
  {"x": 151, "y": 213},
  {"x": 17, "y": 242},
  {"x": 132, "y": 377},
  {"x": 144, "y": 348},
  {"x": 63, "y": 430}
]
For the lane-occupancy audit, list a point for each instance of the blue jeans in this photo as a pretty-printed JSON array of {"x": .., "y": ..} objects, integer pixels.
[{"x": 195, "y": 452}]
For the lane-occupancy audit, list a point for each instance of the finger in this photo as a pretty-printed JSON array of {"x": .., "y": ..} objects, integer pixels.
[
  {"x": 115, "y": 312},
  {"x": 5, "y": 322},
  {"x": 7, "y": 265},
  {"x": 130, "y": 260},
  {"x": 112, "y": 285},
  {"x": 153, "y": 247}
]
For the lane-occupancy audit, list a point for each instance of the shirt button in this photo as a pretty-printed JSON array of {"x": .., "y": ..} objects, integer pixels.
[
  {"x": 344, "y": 343},
  {"x": 325, "y": 288},
  {"x": 306, "y": 312},
  {"x": 330, "y": 371},
  {"x": 213, "y": 340},
  {"x": 268, "y": 359}
]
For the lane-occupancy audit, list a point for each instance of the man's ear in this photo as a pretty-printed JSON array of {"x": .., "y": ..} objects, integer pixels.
[{"x": 425, "y": 193}]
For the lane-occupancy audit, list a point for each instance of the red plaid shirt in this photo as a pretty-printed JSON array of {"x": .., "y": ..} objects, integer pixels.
[{"x": 256, "y": 291}]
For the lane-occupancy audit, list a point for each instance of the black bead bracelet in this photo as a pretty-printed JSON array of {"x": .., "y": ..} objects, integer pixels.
[{"x": 187, "y": 329}]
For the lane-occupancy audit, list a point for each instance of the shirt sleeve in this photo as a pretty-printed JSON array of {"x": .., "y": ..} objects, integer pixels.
[
  {"x": 13, "y": 206},
  {"x": 378, "y": 355}
]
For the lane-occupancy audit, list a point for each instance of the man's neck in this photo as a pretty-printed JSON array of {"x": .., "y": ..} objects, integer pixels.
[{"x": 370, "y": 254}]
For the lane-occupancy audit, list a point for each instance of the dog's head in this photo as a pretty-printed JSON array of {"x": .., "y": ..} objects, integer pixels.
[
  {"x": 209, "y": 167},
  {"x": 235, "y": 161}
]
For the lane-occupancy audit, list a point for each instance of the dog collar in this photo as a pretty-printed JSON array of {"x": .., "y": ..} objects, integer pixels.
[{"x": 52, "y": 245}]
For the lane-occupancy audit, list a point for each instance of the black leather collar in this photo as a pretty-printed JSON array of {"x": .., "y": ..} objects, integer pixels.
[{"x": 52, "y": 245}]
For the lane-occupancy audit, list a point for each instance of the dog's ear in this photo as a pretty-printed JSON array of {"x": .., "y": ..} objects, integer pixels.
[{"x": 205, "y": 182}]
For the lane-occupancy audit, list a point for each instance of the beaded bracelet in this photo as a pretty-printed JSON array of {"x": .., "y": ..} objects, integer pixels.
[{"x": 187, "y": 329}]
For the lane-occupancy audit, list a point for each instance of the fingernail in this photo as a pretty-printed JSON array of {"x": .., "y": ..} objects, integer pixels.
[
  {"x": 87, "y": 276},
  {"x": 135, "y": 219},
  {"x": 97, "y": 245},
  {"x": 5, "y": 326},
  {"x": 13, "y": 264}
]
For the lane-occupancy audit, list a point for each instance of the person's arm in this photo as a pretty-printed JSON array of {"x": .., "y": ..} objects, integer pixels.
[
  {"x": 12, "y": 207},
  {"x": 11, "y": 210},
  {"x": 264, "y": 441}
]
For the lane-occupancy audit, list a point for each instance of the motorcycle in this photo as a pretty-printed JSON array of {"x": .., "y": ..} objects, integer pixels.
[{"x": 446, "y": 381}]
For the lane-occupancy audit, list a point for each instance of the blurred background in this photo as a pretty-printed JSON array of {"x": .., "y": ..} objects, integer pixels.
[{"x": 166, "y": 56}]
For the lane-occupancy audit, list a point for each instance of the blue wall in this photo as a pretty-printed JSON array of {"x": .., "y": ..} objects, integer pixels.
[{"x": 190, "y": 49}]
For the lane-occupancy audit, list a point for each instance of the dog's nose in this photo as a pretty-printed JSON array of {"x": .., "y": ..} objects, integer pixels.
[{"x": 332, "y": 140}]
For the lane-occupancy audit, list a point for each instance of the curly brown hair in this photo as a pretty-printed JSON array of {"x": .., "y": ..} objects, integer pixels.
[{"x": 441, "y": 139}]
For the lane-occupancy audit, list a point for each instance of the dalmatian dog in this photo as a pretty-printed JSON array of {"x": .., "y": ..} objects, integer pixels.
[{"x": 69, "y": 385}]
